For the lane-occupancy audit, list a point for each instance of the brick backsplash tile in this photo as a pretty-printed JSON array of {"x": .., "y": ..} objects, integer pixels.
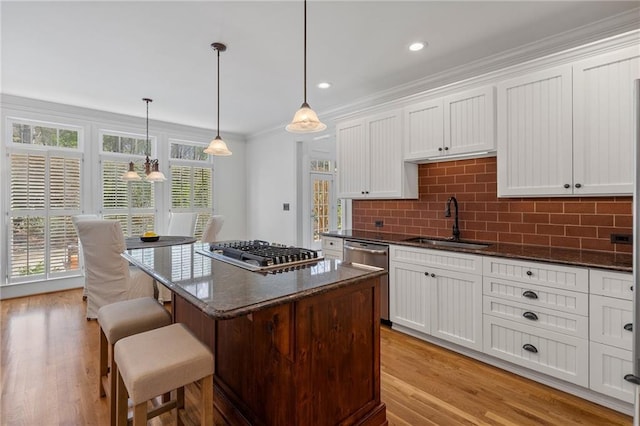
[{"x": 572, "y": 222}]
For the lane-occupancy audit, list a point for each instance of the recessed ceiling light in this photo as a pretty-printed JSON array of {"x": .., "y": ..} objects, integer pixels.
[
  {"x": 414, "y": 47},
  {"x": 324, "y": 85}
]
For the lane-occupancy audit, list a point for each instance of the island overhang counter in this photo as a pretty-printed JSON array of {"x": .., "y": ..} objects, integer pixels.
[{"x": 298, "y": 347}]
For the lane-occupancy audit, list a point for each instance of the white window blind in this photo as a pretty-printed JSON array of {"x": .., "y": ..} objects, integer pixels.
[
  {"x": 130, "y": 203},
  {"x": 44, "y": 192},
  {"x": 191, "y": 174}
]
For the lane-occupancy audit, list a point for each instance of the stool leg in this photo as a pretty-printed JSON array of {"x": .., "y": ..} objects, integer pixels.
[
  {"x": 179, "y": 405},
  {"x": 103, "y": 361},
  {"x": 112, "y": 385},
  {"x": 122, "y": 396},
  {"x": 207, "y": 400},
  {"x": 140, "y": 414}
]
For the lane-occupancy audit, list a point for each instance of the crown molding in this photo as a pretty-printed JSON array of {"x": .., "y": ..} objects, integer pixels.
[{"x": 611, "y": 33}]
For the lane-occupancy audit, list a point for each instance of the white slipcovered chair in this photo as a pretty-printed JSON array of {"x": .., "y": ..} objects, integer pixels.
[
  {"x": 182, "y": 224},
  {"x": 212, "y": 228},
  {"x": 108, "y": 277},
  {"x": 74, "y": 220}
]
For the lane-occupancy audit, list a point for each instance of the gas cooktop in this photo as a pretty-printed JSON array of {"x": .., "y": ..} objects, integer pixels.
[{"x": 257, "y": 255}]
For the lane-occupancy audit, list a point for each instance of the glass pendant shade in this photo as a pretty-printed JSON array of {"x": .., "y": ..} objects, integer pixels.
[
  {"x": 305, "y": 121},
  {"x": 156, "y": 175},
  {"x": 131, "y": 174},
  {"x": 217, "y": 147}
]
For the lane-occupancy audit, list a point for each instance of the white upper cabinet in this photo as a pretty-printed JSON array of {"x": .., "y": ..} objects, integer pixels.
[
  {"x": 534, "y": 134},
  {"x": 462, "y": 123},
  {"x": 424, "y": 130},
  {"x": 569, "y": 130},
  {"x": 370, "y": 163},
  {"x": 603, "y": 122}
]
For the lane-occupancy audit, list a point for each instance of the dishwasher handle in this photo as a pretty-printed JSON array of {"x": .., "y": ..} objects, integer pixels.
[{"x": 384, "y": 252}]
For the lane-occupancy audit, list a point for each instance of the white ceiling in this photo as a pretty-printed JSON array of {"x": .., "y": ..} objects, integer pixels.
[{"x": 109, "y": 55}]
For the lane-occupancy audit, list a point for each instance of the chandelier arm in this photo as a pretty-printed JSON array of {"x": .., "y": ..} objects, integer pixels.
[{"x": 305, "y": 51}]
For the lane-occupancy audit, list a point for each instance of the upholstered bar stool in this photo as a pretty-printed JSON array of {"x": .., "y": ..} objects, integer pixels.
[
  {"x": 157, "y": 362},
  {"x": 119, "y": 320}
]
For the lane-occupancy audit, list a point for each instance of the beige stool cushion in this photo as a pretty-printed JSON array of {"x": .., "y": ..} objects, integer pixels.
[
  {"x": 122, "y": 319},
  {"x": 160, "y": 360}
]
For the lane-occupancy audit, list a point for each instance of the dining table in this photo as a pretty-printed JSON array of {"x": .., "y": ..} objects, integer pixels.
[{"x": 133, "y": 243}]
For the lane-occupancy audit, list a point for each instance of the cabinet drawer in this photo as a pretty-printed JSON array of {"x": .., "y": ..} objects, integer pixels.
[
  {"x": 610, "y": 283},
  {"x": 544, "y": 318},
  {"x": 547, "y": 274},
  {"x": 555, "y": 354},
  {"x": 332, "y": 244},
  {"x": 451, "y": 261},
  {"x": 608, "y": 366},
  {"x": 537, "y": 296},
  {"x": 608, "y": 318}
]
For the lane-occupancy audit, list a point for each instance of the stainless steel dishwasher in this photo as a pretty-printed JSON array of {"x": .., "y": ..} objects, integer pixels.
[{"x": 373, "y": 255}]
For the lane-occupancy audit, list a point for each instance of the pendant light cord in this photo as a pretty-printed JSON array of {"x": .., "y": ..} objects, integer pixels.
[
  {"x": 305, "y": 51},
  {"x": 218, "y": 131}
]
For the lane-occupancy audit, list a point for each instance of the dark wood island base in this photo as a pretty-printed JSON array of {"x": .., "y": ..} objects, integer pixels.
[{"x": 312, "y": 361}]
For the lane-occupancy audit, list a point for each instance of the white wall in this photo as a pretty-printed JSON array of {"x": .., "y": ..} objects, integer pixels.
[{"x": 271, "y": 171}]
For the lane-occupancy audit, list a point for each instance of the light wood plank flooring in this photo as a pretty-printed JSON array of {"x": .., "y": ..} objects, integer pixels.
[{"x": 49, "y": 375}]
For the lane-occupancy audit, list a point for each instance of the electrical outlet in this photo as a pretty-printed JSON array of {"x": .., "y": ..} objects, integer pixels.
[
  {"x": 378, "y": 223},
  {"x": 621, "y": 238},
  {"x": 285, "y": 207}
]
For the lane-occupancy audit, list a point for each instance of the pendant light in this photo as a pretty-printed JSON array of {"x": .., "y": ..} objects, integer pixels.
[
  {"x": 151, "y": 166},
  {"x": 305, "y": 120},
  {"x": 217, "y": 145}
]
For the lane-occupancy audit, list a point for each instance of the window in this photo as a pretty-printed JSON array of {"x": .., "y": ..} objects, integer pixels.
[
  {"x": 191, "y": 181},
  {"x": 45, "y": 175},
  {"x": 130, "y": 203}
]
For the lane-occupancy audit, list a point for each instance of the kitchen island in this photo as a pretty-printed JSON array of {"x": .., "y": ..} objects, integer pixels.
[{"x": 298, "y": 347}]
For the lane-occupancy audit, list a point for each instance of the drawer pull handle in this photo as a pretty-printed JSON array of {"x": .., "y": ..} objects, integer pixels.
[
  {"x": 530, "y": 316},
  {"x": 628, "y": 327},
  {"x": 529, "y": 273},
  {"x": 530, "y": 294},
  {"x": 632, "y": 379},
  {"x": 529, "y": 347}
]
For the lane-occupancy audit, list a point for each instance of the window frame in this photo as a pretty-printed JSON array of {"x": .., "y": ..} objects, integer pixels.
[{"x": 46, "y": 212}]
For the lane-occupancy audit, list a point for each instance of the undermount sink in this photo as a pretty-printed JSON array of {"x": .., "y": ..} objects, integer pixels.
[{"x": 447, "y": 243}]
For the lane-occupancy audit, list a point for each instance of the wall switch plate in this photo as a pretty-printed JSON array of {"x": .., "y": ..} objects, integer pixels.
[
  {"x": 621, "y": 238},
  {"x": 378, "y": 223},
  {"x": 285, "y": 207}
]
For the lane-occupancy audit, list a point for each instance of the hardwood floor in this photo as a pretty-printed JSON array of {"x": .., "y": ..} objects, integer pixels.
[{"x": 49, "y": 360}]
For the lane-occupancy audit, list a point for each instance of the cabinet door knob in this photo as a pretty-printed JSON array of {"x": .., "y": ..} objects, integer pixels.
[
  {"x": 433, "y": 275},
  {"x": 446, "y": 148},
  {"x": 529, "y": 347},
  {"x": 440, "y": 149},
  {"x": 529, "y": 273},
  {"x": 530, "y": 294},
  {"x": 362, "y": 192},
  {"x": 578, "y": 185},
  {"x": 566, "y": 185},
  {"x": 426, "y": 274},
  {"x": 530, "y": 316},
  {"x": 628, "y": 327}
]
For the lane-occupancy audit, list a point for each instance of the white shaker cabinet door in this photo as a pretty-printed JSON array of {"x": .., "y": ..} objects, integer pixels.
[
  {"x": 409, "y": 295},
  {"x": 384, "y": 132},
  {"x": 424, "y": 130},
  {"x": 535, "y": 134},
  {"x": 353, "y": 159},
  {"x": 604, "y": 122},
  {"x": 469, "y": 121}
]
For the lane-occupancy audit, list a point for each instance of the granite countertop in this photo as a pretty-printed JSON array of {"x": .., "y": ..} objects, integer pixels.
[
  {"x": 592, "y": 259},
  {"x": 224, "y": 291}
]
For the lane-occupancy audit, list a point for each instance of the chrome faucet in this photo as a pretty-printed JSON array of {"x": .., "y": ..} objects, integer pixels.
[{"x": 447, "y": 213}]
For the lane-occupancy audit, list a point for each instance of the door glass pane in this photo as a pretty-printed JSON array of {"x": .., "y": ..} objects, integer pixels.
[{"x": 321, "y": 207}]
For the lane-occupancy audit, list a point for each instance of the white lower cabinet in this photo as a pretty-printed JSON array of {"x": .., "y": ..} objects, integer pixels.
[
  {"x": 444, "y": 303},
  {"x": 332, "y": 247},
  {"x": 608, "y": 366},
  {"x": 570, "y": 323},
  {"x": 555, "y": 354}
]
